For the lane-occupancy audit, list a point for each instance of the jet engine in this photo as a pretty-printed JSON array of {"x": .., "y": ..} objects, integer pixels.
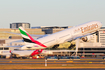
[{"x": 87, "y": 38}]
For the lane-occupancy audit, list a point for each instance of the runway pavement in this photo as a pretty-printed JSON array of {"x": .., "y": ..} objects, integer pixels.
[
  {"x": 43, "y": 61},
  {"x": 87, "y": 64}
]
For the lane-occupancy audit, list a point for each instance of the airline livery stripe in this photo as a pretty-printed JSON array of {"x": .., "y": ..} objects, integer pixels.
[
  {"x": 27, "y": 40},
  {"x": 22, "y": 32},
  {"x": 36, "y": 41},
  {"x": 25, "y": 36}
]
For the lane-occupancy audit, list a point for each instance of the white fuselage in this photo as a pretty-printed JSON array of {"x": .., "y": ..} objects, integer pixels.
[
  {"x": 5, "y": 53},
  {"x": 67, "y": 35},
  {"x": 22, "y": 53},
  {"x": 27, "y": 53}
]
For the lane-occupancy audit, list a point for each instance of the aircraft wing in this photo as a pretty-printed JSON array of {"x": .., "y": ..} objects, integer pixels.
[{"x": 78, "y": 37}]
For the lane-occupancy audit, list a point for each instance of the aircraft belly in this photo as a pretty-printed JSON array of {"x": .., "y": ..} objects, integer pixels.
[{"x": 22, "y": 53}]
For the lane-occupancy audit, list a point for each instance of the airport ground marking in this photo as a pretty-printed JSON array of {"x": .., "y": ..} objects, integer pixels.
[
  {"x": 90, "y": 62},
  {"x": 69, "y": 61},
  {"x": 55, "y": 62}
]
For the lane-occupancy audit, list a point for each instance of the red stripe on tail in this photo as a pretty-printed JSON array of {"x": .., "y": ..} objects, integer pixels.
[{"x": 36, "y": 41}]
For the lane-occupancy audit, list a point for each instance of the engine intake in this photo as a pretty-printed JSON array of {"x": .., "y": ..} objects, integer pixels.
[
  {"x": 84, "y": 39},
  {"x": 87, "y": 38}
]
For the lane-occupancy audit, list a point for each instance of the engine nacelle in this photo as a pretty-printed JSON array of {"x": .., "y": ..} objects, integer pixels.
[{"x": 87, "y": 38}]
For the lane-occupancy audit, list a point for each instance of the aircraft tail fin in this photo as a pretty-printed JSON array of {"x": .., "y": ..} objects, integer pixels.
[
  {"x": 27, "y": 38},
  {"x": 24, "y": 35},
  {"x": 36, "y": 52}
]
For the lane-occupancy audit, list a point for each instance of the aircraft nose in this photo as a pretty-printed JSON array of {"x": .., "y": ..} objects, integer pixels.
[{"x": 99, "y": 24}]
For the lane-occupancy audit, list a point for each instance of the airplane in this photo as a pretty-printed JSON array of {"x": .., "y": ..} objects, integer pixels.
[
  {"x": 5, "y": 52},
  {"x": 83, "y": 31},
  {"x": 25, "y": 53},
  {"x": 28, "y": 53}
]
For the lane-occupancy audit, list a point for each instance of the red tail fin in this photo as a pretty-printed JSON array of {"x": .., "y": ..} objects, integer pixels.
[{"x": 36, "y": 52}]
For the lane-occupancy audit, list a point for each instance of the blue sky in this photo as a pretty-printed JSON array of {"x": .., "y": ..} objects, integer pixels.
[{"x": 51, "y": 12}]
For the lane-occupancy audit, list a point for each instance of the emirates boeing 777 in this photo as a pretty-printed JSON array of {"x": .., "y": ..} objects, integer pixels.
[{"x": 69, "y": 34}]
